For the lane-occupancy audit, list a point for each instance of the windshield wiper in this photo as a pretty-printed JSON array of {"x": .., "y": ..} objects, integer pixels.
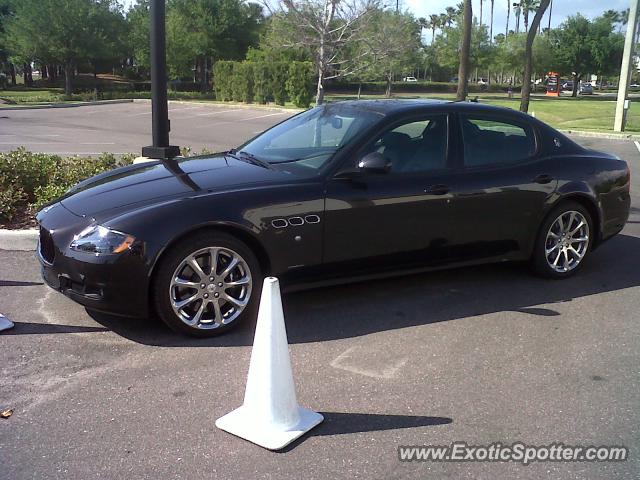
[
  {"x": 308, "y": 157},
  {"x": 249, "y": 158}
]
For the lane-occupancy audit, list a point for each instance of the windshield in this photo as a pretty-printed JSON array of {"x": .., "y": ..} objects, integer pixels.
[{"x": 311, "y": 138}]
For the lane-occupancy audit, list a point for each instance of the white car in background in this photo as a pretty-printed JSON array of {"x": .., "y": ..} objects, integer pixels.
[{"x": 410, "y": 79}]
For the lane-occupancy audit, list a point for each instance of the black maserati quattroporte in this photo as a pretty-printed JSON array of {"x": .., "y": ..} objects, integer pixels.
[{"x": 343, "y": 191}]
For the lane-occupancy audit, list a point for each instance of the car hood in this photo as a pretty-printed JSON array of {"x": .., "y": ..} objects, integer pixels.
[{"x": 147, "y": 183}]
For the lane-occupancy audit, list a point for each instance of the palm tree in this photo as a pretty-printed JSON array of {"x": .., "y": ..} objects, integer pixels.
[
  {"x": 443, "y": 20},
  {"x": 527, "y": 7},
  {"x": 451, "y": 15},
  {"x": 465, "y": 52},
  {"x": 516, "y": 11},
  {"x": 491, "y": 24},
  {"x": 506, "y": 30},
  {"x": 434, "y": 23},
  {"x": 550, "y": 10},
  {"x": 481, "y": 1},
  {"x": 528, "y": 55}
]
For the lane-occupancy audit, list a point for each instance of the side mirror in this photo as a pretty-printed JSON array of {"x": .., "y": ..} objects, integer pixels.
[{"x": 374, "y": 162}]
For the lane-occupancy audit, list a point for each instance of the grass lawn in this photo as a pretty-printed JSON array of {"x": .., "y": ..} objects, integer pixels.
[{"x": 582, "y": 113}]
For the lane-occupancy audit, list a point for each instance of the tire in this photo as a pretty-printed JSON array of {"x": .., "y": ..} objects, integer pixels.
[
  {"x": 548, "y": 248},
  {"x": 202, "y": 304}
]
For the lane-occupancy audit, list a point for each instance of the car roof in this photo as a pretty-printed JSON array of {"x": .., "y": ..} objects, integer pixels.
[{"x": 397, "y": 106}]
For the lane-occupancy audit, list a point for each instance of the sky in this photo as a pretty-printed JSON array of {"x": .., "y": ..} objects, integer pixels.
[{"x": 560, "y": 11}]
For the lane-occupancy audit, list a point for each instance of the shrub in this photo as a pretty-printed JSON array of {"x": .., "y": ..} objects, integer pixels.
[
  {"x": 261, "y": 82},
  {"x": 278, "y": 73},
  {"x": 242, "y": 82},
  {"x": 30, "y": 180},
  {"x": 299, "y": 83},
  {"x": 223, "y": 80}
]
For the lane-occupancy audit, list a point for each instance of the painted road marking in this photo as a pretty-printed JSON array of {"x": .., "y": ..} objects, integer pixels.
[
  {"x": 363, "y": 361},
  {"x": 637, "y": 144}
]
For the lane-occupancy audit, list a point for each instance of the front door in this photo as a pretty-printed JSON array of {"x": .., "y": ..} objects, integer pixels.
[{"x": 398, "y": 218}]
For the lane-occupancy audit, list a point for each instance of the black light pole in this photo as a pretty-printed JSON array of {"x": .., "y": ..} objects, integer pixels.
[{"x": 160, "y": 111}]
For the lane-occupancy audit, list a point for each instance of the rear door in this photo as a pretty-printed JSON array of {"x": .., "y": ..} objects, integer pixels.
[{"x": 500, "y": 189}]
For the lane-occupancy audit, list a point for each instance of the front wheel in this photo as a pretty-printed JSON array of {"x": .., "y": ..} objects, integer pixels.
[
  {"x": 564, "y": 241},
  {"x": 207, "y": 284}
]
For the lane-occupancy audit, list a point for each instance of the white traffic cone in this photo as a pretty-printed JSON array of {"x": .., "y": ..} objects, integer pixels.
[
  {"x": 5, "y": 323},
  {"x": 270, "y": 415}
]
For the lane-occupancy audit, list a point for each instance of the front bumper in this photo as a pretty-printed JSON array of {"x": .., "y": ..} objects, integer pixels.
[{"x": 116, "y": 284}]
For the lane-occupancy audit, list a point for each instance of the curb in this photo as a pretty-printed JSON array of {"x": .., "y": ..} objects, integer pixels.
[
  {"x": 19, "y": 240},
  {"x": 609, "y": 136},
  {"x": 229, "y": 104},
  {"x": 66, "y": 105}
]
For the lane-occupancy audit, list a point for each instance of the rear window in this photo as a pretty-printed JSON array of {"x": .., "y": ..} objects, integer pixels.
[{"x": 493, "y": 142}]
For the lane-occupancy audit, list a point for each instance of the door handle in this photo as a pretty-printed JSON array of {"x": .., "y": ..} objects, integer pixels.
[
  {"x": 437, "y": 190},
  {"x": 543, "y": 178}
]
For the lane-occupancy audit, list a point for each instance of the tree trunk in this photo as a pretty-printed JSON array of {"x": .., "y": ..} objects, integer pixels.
[
  {"x": 320, "y": 87},
  {"x": 528, "y": 56},
  {"x": 68, "y": 78},
  {"x": 387, "y": 93},
  {"x": 52, "y": 70},
  {"x": 44, "y": 73},
  {"x": 463, "y": 69},
  {"x": 12, "y": 73},
  {"x": 359, "y": 89},
  {"x": 506, "y": 30},
  {"x": 576, "y": 79}
]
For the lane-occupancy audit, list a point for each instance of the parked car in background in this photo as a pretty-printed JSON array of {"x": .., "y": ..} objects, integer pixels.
[
  {"x": 350, "y": 190},
  {"x": 410, "y": 79},
  {"x": 585, "y": 89},
  {"x": 568, "y": 86},
  {"x": 483, "y": 81}
]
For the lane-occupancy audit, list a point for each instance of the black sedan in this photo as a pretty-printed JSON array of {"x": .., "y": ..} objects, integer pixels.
[{"x": 350, "y": 190}]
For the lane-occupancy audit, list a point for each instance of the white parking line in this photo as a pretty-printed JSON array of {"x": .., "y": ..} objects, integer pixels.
[
  {"x": 217, "y": 113},
  {"x": 208, "y": 125},
  {"x": 637, "y": 144}
]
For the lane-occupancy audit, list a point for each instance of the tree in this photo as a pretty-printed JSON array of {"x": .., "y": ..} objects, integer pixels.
[
  {"x": 491, "y": 22},
  {"x": 463, "y": 70},
  {"x": 389, "y": 44},
  {"x": 434, "y": 23},
  {"x": 528, "y": 56},
  {"x": 139, "y": 24},
  {"x": 65, "y": 32},
  {"x": 506, "y": 29},
  {"x": 528, "y": 6},
  {"x": 582, "y": 46},
  {"x": 200, "y": 32},
  {"x": 450, "y": 13},
  {"x": 326, "y": 28}
]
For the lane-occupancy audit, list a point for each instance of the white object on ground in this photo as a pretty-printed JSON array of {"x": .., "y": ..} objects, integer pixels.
[
  {"x": 270, "y": 415},
  {"x": 5, "y": 323}
]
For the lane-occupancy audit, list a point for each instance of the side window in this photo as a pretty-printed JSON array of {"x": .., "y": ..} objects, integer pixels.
[
  {"x": 489, "y": 142},
  {"x": 415, "y": 146}
]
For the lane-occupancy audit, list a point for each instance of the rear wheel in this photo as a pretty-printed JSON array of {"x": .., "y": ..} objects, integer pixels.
[
  {"x": 564, "y": 241},
  {"x": 207, "y": 284}
]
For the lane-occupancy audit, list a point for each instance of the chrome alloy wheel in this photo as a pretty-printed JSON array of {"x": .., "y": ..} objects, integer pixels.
[
  {"x": 210, "y": 288},
  {"x": 567, "y": 241}
]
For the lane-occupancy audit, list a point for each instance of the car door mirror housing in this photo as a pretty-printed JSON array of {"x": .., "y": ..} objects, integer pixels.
[{"x": 374, "y": 162}]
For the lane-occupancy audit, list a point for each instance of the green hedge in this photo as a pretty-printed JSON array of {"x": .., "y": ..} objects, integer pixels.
[
  {"x": 300, "y": 83},
  {"x": 30, "y": 180},
  {"x": 264, "y": 81}
]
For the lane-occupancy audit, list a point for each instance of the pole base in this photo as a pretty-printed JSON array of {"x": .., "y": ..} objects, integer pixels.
[
  {"x": 161, "y": 153},
  {"x": 272, "y": 437}
]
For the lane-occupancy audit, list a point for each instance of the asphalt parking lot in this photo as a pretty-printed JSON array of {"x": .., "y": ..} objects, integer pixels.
[
  {"x": 481, "y": 355},
  {"x": 125, "y": 127}
]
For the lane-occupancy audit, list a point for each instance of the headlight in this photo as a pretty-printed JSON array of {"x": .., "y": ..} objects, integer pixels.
[{"x": 101, "y": 240}]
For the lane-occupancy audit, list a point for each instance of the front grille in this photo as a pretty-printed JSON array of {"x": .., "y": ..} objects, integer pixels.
[{"x": 47, "y": 250}]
